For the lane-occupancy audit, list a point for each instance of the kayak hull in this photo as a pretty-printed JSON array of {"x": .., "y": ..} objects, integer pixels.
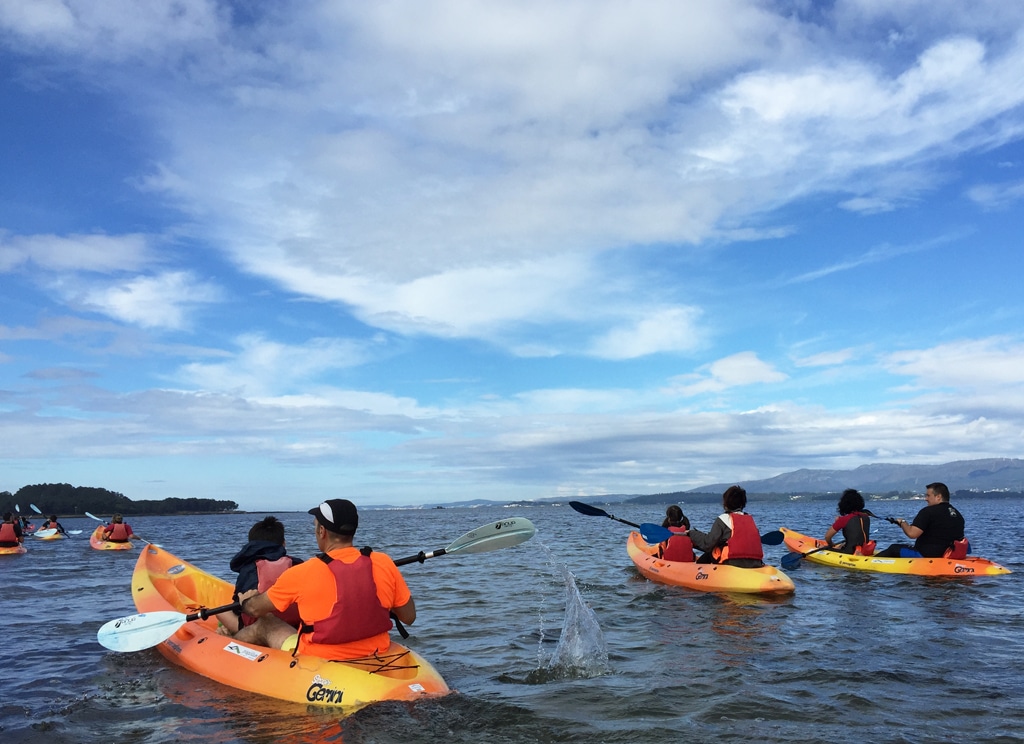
[
  {"x": 13, "y": 550},
  {"x": 706, "y": 577},
  {"x": 49, "y": 536},
  {"x": 97, "y": 542},
  {"x": 162, "y": 581},
  {"x": 961, "y": 567}
]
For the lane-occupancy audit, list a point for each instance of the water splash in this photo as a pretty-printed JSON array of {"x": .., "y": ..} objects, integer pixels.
[{"x": 581, "y": 652}]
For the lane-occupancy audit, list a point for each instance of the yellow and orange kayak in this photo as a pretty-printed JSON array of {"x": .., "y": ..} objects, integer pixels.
[
  {"x": 162, "y": 582},
  {"x": 913, "y": 566},
  {"x": 706, "y": 577},
  {"x": 13, "y": 550},
  {"x": 96, "y": 541}
]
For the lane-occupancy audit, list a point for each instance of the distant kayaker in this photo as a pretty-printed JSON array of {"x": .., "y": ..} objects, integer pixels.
[
  {"x": 937, "y": 528},
  {"x": 53, "y": 524},
  {"x": 259, "y": 564},
  {"x": 346, "y": 596},
  {"x": 733, "y": 539},
  {"x": 10, "y": 532},
  {"x": 679, "y": 548},
  {"x": 853, "y": 523},
  {"x": 118, "y": 530}
]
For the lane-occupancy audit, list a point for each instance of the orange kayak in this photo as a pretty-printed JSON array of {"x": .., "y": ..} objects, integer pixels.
[
  {"x": 162, "y": 582},
  {"x": 96, "y": 541},
  {"x": 969, "y": 566},
  {"x": 706, "y": 577},
  {"x": 13, "y": 550}
]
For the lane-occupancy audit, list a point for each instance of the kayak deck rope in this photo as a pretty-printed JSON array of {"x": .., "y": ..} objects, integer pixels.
[{"x": 377, "y": 664}]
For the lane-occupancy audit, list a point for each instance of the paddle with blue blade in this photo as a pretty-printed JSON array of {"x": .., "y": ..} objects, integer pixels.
[
  {"x": 653, "y": 533},
  {"x": 792, "y": 560},
  {"x": 145, "y": 630}
]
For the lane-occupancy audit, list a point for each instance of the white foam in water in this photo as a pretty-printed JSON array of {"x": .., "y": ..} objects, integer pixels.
[{"x": 581, "y": 651}]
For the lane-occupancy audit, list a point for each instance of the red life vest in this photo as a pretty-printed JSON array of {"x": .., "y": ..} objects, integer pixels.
[
  {"x": 118, "y": 532},
  {"x": 745, "y": 541},
  {"x": 358, "y": 612},
  {"x": 267, "y": 572},
  {"x": 7, "y": 533},
  {"x": 958, "y": 551},
  {"x": 678, "y": 548}
]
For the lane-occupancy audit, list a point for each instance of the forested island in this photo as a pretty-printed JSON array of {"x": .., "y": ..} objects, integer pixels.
[{"x": 64, "y": 499}]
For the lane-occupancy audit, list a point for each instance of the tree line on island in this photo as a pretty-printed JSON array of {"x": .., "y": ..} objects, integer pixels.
[{"x": 64, "y": 499}]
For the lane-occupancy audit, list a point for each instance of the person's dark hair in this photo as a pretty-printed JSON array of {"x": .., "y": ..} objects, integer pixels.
[
  {"x": 734, "y": 498},
  {"x": 674, "y": 517},
  {"x": 268, "y": 529},
  {"x": 7, "y": 516},
  {"x": 117, "y": 518},
  {"x": 941, "y": 489},
  {"x": 53, "y": 517},
  {"x": 851, "y": 501}
]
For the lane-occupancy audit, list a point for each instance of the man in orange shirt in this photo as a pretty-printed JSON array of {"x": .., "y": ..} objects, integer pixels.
[{"x": 345, "y": 595}]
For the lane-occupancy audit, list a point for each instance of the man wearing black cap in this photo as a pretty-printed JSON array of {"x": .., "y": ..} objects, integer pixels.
[{"x": 345, "y": 595}]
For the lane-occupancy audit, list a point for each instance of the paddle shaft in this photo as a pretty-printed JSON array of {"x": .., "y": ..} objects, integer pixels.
[{"x": 593, "y": 511}]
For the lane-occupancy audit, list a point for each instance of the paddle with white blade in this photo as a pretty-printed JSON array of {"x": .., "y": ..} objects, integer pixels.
[
  {"x": 130, "y": 537},
  {"x": 145, "y": 630}
]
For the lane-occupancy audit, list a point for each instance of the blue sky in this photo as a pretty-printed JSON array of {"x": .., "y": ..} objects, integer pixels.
[{"x": 413, "y": 252}]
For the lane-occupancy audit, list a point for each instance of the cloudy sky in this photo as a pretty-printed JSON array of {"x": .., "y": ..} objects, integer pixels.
[{"x": 411, "y": 252}]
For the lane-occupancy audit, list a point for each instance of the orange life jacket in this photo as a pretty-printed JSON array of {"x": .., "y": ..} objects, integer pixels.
[
  {"x": 116, "y": 532},
  {"x": 267, "y": 572},
  {"x": 7, "y": 533},
  {"x": 745, "y": 541},
  {"x": 358, "y": 612},
  {"x": 678, "y": 548}
]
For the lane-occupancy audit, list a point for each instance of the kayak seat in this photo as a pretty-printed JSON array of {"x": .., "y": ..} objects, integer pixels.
[
  {"x": 867, "y": 548},
  {"x": 959, "y": 550}
]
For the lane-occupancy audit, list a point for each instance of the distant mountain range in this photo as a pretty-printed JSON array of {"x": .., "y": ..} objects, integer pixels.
[{"x": 994, "y": 474}]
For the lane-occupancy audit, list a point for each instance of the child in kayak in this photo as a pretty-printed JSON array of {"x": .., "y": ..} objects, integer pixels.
[
  {"x": 258, "y": 564},
  {"x": 10, "y": 532},
  {"x": 679, "y": 548},
  {"x": 733, "y": 539},
  {"x": 53, "y": 524},
  {"x": 118, "y": 530},
  {"x": 854, "y": 524}
]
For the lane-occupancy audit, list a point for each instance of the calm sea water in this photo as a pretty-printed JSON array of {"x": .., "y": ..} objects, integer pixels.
[{"x": 556, "y": 640}]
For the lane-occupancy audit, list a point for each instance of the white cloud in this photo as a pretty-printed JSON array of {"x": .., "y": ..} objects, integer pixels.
[
  {"x": 733, "y": 371},
  {"x": 106, "y": 254},
  {"x": 993, "y": 196},
  {"x": 160, "y": 301},
  {"x": 826, "y": 358},
  {"x": 266, "y": 369},
  {"x": 111, "y": 29},
  {"x": 970, "y": 365},
  {"x": 664, "y": 330}
]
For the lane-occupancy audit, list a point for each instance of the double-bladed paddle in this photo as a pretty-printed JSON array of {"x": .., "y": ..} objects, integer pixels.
[
  {"x": 792, "y": 560},
  {"x": 653, "y": 533},
  {"x": 93, "y": 516},
  {"x": 145, "y": 630}
]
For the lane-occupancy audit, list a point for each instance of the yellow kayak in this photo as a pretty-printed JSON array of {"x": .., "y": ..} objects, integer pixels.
[
  {"x": 706, "y": 577},
  {"x": 96, "y": 541},
  {"x": 164, "y": 582},
  {"x": 969, "y": 566}
]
